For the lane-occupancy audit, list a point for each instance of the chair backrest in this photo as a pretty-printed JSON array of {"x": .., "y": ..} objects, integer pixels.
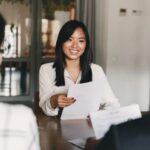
[{"x": 132, "y": 135}]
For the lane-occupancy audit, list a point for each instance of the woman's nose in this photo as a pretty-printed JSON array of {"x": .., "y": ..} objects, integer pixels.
[{"x": 74, "y": 43}]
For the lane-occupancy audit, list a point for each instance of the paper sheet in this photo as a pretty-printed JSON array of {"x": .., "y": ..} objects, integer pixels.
[
  {"x": 88, "y": 98},
  {"x": 102, "y": 120}
]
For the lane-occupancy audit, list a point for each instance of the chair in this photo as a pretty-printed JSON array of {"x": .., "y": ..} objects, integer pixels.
[{"x": 132, "y": 135}]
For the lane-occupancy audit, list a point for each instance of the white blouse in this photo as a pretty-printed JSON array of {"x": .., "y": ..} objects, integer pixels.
[
  {"x": 47, "y": 87},
  {"x": 18, "y": 128}
]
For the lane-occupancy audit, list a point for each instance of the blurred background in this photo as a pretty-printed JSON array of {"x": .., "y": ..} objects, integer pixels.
[{"x": 119, "y": 32}]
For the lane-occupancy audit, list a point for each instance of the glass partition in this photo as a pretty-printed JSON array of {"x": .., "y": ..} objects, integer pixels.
[
  {"x": 31, "y": 33},
  {"x": 54, "y": 14},
  {"x": 15, "y": 77},
  {"x": 16, "y": 65}
]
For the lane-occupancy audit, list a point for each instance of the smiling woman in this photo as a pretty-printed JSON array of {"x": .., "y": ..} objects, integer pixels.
[
  {"x": 72, "y": 65},
  {"x": 74, "y": 47}
]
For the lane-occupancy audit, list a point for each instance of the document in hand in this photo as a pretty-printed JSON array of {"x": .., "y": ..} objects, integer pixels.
[
  {"x": 103, "y": 119},
  {"x": 88, "y": 99}
]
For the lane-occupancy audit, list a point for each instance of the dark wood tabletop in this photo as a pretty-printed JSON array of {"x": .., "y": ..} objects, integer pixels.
[{"x": 55, "y": 133}]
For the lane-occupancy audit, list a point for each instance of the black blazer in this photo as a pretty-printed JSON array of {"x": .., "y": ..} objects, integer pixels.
[{"x": 132, "y": 135}]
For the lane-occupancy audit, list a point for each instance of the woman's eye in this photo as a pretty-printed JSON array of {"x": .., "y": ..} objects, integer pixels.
[
  {"x": 69, "y": 39},
  {"x": 81, "y": 41}
]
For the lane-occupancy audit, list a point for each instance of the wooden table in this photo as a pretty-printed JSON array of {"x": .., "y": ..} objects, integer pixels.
[{"x": 55, "y": 133}]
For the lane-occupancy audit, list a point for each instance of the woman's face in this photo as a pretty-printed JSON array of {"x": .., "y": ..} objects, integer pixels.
[{"x": 74, "y": 47}]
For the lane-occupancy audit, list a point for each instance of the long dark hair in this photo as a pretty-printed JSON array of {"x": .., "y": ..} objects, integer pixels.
[
  {"x": 85, "y": 60},
  {"x": 2, "y": 28}
]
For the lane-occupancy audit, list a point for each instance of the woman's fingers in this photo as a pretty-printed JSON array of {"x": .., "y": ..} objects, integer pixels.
[{"x": 64, "y": 101}]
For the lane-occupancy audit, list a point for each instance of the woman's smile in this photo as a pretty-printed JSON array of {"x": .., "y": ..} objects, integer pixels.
[{"x": 75, "y": 46}]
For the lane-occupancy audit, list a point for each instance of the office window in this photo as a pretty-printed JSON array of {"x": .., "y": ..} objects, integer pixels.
[
  {"x": 29, "y": 43},
  {"x": 54, "y": 14},
  {"x": 16, "y": 65}
]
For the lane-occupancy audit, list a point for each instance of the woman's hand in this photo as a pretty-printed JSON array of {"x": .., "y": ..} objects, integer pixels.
[
  {"x": 64, "y": 101},
  {"x": 61, "y": 100}
]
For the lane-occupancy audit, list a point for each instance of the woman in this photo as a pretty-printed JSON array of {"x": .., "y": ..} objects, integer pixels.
[{"x": 73, "y": 64}]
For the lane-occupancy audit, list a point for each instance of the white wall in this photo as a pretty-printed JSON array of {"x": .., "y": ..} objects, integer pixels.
[
  {"x": 122, "y": 48},
  {"x": 101, "y": 32}
]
